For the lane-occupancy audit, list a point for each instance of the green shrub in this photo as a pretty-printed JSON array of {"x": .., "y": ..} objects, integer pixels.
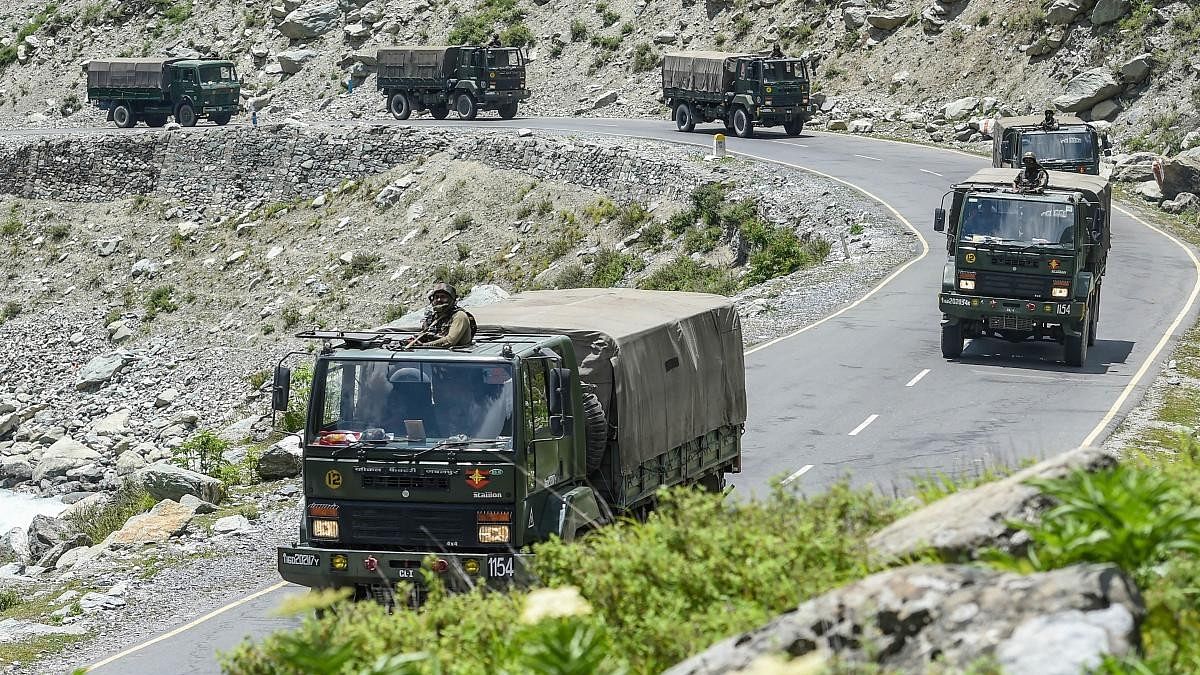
[
  {"x": 393, "y": 312},
  {"x": 58, "y": 231},
  {"x": 463, "y": 251},
  {"x": 609, "y": 17},
  {"x": 777, "y": 251},
  {"x": 701, "y": 239},
  {"x": 462, "y": 221},
  {"x": 290, "y": 316},
  {"x": 459, "y": 276},
  {"x": 11, "y": 310},
  {"x": 203, "y": 453},
  {"x": 161, "y": 299},
  {"x": 609, "y": 268},
  {"x": 742, "y": 26},
  {"x": 10, "y": 598},
  {"x": 518, "y": 35},
  {"x": 99, "y": 521},
  {"x": 477, "y": 28},
  {"x": 12, "y": 225},
  {"x": 258, "y": 378},
  {"x": 685, "y": 274},
  {"x": 601, "y": 210},
  {"x": 545, "y": 206},
  {"x": 268, "y": 328},
  {"x": 571, "y": 276},
  {"x": 630, "y": 217},
  {"x": 856, "y": 229},
  {"x": 644, "y": 58},
  {"x": 608, "y": 43},
  {"x": 360, "y": 264},
  {"x": 579, "y": 30}
]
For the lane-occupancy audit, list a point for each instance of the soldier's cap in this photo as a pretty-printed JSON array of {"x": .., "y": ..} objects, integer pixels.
[
  {"x": 1028, "y": 155},
  {"x": 445, "y": 288}
]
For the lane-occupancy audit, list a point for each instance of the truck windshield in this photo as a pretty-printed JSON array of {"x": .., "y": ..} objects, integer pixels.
[
  {"x": 503, "y": 58},
  {"x": 783, "y": 71},
  {"x": 1017, "y": 221},
  {"x": 414, "y": 400},
  {"x": 209, "y": 74},
  {"x": 1059, "y": 146}
]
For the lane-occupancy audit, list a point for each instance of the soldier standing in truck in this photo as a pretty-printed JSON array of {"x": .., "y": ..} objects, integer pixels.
[
  {"x": 446, "y": 324},
  {"x": 1032, "y": 176}
]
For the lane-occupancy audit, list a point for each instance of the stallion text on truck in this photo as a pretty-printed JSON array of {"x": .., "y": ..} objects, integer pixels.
[
  {"x": 570, "y": 408},
  {"x": 467, "y": 79},
  {"x": 1024, "y": 263},
  {"x": 1065, "y": 143},
  {"x": 150, "y": 90},
  {"x": 741, "y": 90}
]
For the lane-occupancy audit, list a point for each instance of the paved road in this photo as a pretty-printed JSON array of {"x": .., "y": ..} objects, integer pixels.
[{"x": 866, "y": 393}]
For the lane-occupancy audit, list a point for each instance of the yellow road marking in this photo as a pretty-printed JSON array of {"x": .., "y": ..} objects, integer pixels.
[{"x": 188, "y": 626}]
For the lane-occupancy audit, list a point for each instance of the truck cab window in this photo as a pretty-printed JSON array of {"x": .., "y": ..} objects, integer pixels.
[
  {"x": 537, "y": 404},
  {"x": 331, "y": 413}
]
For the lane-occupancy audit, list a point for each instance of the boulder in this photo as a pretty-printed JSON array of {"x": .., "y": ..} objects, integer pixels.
[
  {"x": 92, "y": 501},
  {"x": 75, "y": 556},
  {"x": 310, "y": 20},
  {"x": 1087, "y": 89},
  {"x": 128, "y": 462},
  {"x": 95, "y": 602},
  {"x": 167, "y": 481},
  {"x": 99, "y": 370},
  {"x": 65, "y": 454},
  {"x": 239, "y": 431},
  {"x": 860, "y": 126},
  {"x": 1137, "y": 69},
  {"x": 837, "y": 125},
  {"x": 51, "y": 557},
  {"x": 1107, "y": 110},
  {"x": 1063, "y": 12},
  {"x": 17, "y": 468},
  {"x": 1184, "y": 201},
  {"x": 854, "y": 17},
  {"x": 666, "y": 37},
  {"x": 18, "y": 630},
  {"x": 46, "y": 532},
  {"x": 167, "y": 519},
  {"x": 237, "y": 523},
  {"x": 967, "y": 521},
  {"x": 887, "y": 20},
  {"x": 1180, "y": 174},
  {"x": 1109, "y": 11},
  {"x": 1134, "y": 168},
  {"x": 960, "y": 109},
  {"x": 282, "y": 460},
  {"x": 1191, "y": 140},
  {"x": 14, "y": 546},
  {"x": 292, "y": 61},
  {"x": 607, "y": 98},
  {"x": 906, "y": 619},
  {"x": 1150, "y": 191},
  {"x": 1047, "y": 43},
  {"x": 197, "y": 505},
  {"x": 113, "y": 424}
]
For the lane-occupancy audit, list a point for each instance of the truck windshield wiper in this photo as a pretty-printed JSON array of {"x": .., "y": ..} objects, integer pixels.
[
  {"x": 1055, "y": 244},
  {"x": 459, "y": 442}
]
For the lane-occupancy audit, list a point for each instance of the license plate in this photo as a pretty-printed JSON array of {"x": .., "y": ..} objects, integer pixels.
[
  {"x": 501, "y": 566},
  {"x": 302, "y": 559}
]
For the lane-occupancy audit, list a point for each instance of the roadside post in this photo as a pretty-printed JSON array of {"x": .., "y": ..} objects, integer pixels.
[{"x": 719, "y": 146}]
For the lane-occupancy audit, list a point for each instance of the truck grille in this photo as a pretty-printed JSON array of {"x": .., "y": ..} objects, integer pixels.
[
  {"x": 1006, "y": 285},
  {"x": 508, "y": 83},
  {"x": 1010, "y": 323},
  {"x": 406, "y": 482}
]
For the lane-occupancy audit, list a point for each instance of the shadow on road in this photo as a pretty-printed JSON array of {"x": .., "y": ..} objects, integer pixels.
[{"x": 1044, "y": 356}]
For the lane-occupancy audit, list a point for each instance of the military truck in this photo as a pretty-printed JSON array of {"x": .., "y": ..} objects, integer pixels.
[
  {"x": 570, "y": 408},
  {"x": 741, "y": 90},
  {"x": 467, "y": 79},
  {"x": 1064, "y": 143},
  {"x": 150, "y": 90},
  {"x": 1024, "y": 263}
]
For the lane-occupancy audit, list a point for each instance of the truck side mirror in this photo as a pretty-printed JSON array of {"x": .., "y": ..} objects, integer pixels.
[
  {"x": 281, "y": 388},
  {"x": 560, "y": 391},
  {"x": 1098, "y": 221},
  {"x": 939, "y": 220}
]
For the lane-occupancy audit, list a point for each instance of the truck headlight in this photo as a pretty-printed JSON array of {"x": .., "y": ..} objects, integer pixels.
[
  {"x": 966, "y": 284},
  {"x": 493, "y": 534},
  {"x": 1060, "y": 292},
  {"x": 324, "y": 529}
]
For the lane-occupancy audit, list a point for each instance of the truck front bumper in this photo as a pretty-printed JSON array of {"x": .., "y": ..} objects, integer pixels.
[
  {"x": 769, "y": 115},
  {"x": 1010, "y": 313},
  {"x": 218, "y": 109},
  {"x": 507, "y": 96},
  {"x": 337, "y": 568}
]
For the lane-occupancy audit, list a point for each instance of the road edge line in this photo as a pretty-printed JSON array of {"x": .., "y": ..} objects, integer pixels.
[{"x": 187, "y": 626}]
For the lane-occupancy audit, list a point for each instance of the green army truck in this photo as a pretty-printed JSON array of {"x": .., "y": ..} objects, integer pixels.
[
  {"x": 1024, "y": 264},
  {"x": 467, "y": 79},
  {"x": 743, "y": 91},
  {"x": 1064, "y": 143},
  {"x": 150, "y": 90},
  {"x": 570, "y": 408}
]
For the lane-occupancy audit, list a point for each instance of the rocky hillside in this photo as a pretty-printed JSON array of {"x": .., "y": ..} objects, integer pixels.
[{"x": 1139, "y": 58}]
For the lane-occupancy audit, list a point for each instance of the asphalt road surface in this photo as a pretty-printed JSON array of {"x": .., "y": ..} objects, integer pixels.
[{"x": 865, "y": 393}]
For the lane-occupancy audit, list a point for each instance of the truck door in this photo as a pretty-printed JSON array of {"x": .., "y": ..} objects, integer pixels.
[{"x": 546, "y": 451}]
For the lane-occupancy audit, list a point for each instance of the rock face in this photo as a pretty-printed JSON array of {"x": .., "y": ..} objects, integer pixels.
[
  {"x": 65, "y": 454},
  {"x": 310, "y": 21},
  {"x": 1087, "y": 89},
  {"x": 1181, "y": 174},
  {"x": 167, "y": 481},
  {"x": 282, "y": 460},
  {"x": 1064, "y": 621},
  {"x": 1138, "y": 68},
  {"x": 167, "y": 519},
  {"x": 973, "y": 519}
]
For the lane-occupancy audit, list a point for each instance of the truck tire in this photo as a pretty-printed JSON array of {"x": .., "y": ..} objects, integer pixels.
[
  {"x": 123, "y": 117},
  {"x": 221, "y": 119},
  {"x": 685, "y": 121},
  {"x": 596, "y": 431},
  {"x": 156, "y": 120},
  {"x": 713, "y": 482},
  {"x": 508, "y": 111},
  {"x": 1095, "y": 318},
  {"x": 439, "y": 111},
  {"x": 185, "y": 115},
  {"x": 400, "y": 106},
  {"x": 465, "y": 106},
  {"x": 952, "y": 340},
  {"x": 793, "y": 127},
  {"x": 742, "y": 126},
  {"x": 1075, "y": 348}
]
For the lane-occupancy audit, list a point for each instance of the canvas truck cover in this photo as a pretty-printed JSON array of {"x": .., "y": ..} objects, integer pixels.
[
  {"x": 671, "y": 362},
  {"x": 698, "y": 71},
  {"x": 417, "y": 62},
  {"x": 128, "y": 73},
  {"x": 1094, "y": 188}
]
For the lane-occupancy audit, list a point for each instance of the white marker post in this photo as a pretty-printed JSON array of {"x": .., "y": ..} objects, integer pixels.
[{"x": 719, "y": 146}]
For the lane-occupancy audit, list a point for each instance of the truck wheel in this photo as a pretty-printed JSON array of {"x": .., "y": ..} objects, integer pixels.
[
  {"x": 793, "y": 127},
  {"x": 221, "y": 119},
  {"x": 508, "y": 111},
  {"x": 439, "y": 111},
  {"x": 185, "y": 115},
  {"x": 597, "y": 431},
  {"x": 742, "y": 126},
  {"x": 952, "y": 339},
  {"x": 713, "y": 482},
  {"x": 400, "y": 106},
  {"x": 123, "y": 116},
  {"x": 1075, "y": 348},
  {"x": 156, "y": 120},
  {"x": 465, "y": 106},
  {"x": 684, "y": 120}
]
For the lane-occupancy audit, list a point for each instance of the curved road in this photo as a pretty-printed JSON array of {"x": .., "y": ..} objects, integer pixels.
[{"x": 865, "y": 392}]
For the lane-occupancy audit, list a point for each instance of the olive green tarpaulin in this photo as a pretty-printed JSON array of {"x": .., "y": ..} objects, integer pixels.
[
  {"x": 698, "y": 71},
  {"x": 128, "y": 73},
  {"x": 417, "y": 62},
  {"x": 670, "y": 362}
]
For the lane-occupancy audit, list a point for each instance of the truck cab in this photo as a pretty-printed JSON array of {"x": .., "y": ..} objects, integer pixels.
[
  {"x": 1064, "y": 143},
  {"x": 778, "y": 89},
  {"x": 495, "y": 76},
  {"x": 1024, "y": 264}
]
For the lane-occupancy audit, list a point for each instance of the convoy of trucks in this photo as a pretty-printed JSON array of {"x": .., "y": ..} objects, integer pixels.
[
  {"x": 742, "y": 91},
  {"x": 570, "y": 408}
]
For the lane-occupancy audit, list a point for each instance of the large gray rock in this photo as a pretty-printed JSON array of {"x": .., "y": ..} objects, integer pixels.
[
  {"x": 167, "y": 519},
  {"x": 167, "y": 481},
  {"x": 65, "y": 454},
  {"x": 282, "y": 460},
  {"x": 1107, "y": 110},
  {"x": 1060, "y": 622},
  {"x": 1062, "y": 12},
  {"x": 51, "y": 557},
  {"x": 17, "y": 468},
  {"x": 967, "y": 521},
  {"x": 860, "y": 126},
  {"x": 18, "y": 630},
  {"x": 310, "y": 21},
  {"x": 1047, "y": 43},
  {"x": 1181, "y": 174},
  {"x": 1134, "y": 168},
  {"x": 1184, "y": 201},
  {"x": 1087, "y": 89},
  {"x": 292, "y": 61},
  {"x": 1138, "y": 68},
  {"x": 1149, "y": 191},
  {"x": 887, "y": 20},
  {"x": 1108, "y": 11},
  {"x": 46, "y": 532},
  {"x": 99, "y": 370},
  {"x": 960, "y": 109}
]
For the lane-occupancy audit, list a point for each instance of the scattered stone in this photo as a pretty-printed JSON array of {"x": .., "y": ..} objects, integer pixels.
[
  {"x": 605, "y": 99},
  {"x": 96, "y": 602},
  {"x": 165, "y": 398},
  {"x": 887, "y": 20},
  {"x": 197, "y": 505},
  {"x": 46, "y": 532},
  {"x": 167, "y": 481},
  {"x": 64, "y": 455},
  {"x": 666, "y": 37},
  {"x": 1150, "y": 191},
  {"x": 310, "y": 21},
  {"x": 1108, "y": 11},
  {"x": 17, "y": 630},
  {"x": 167, "y": 519},
  {"x": 960, "y": 109},
  {"x": 99, "y": 371},
  {"x": 113, "y": 424},
  {"x": 51, "y": 557},
  {"x": 292, "y": 61},
  {"x": 236, "y": 523},
  {"x": 1184, "y": 201},
  {"x": 1137, "y": 69},
  {"x": 860, "y": 126}
]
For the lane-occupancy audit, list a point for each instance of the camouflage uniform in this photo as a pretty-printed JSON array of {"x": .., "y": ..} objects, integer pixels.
[{"x": 446, "y": 324}]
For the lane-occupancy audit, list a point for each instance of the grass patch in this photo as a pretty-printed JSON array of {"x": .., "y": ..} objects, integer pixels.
[
  {"x": 608, "y": 268},
  {"x": 11, "y": 310},
  {"x": 476, "y": 28},
  {"x": 99, "y": 521},
  {"x": 686, "y": 274},
  {"x": 644, "y": 58},
  {"x": 393, "y": 312},
  {"x": 161, "y": 299},
  {"x": 360, "y": 264},
  {"x": 33, "y": 649},
  {"x": 579, "y": 30}
]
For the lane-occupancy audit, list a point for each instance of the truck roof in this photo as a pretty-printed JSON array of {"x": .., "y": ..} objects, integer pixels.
[
  {"x": 1003, "y": 123},
  {"x": 1095, "y": 187},
  {"x": 670, "y": 362}
]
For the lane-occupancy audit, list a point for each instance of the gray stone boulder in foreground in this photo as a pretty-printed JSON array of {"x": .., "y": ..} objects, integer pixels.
[
  {"x": 1064, "y": 621},
  {"x": 167, "y": 481},
  {"x": 959, "y": 525}
]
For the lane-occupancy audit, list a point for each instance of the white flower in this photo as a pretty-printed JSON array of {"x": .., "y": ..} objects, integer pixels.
[{"x": 547, "y": 603}]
